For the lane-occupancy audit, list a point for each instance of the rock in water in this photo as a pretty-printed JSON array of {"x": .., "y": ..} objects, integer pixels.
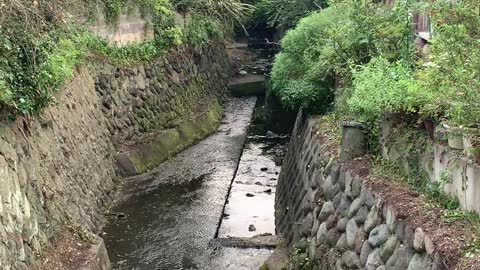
[
  {"x": 272, "y": 135},
  {"x": 251, "y": 228}
]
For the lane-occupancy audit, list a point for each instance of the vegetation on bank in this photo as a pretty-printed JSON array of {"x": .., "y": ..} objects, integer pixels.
[
  {"x": 40, "y": 46},
  {"x": 358, "y": 58},
  {"x": 324, "y": 48},
  {"x": 281, "y": 14}
]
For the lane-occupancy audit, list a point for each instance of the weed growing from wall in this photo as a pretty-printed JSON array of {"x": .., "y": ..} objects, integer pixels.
[{"x": 39, "y": 56}]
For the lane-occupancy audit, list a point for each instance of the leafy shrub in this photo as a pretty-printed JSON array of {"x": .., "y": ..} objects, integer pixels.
[
  {"x": 201, "y": 30},
  {"x": 300, "y": 93},
  {"x": 226, "y": 11},
  {"x": 455, "y": 60},
  {"x": 381, "y": 86},
  {"x": 325, "y": 44}
]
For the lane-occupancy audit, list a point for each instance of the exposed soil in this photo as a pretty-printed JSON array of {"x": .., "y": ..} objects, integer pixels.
[
  {"x": 451, "y": 239},
  {"x": 66, "y": 252}
]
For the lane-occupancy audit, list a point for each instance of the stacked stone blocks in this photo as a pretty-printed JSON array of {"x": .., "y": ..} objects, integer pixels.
[{"x": 323, "y": 205}]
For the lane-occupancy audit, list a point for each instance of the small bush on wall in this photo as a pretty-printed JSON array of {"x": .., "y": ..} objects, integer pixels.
[{"x": 382, "y": 86}]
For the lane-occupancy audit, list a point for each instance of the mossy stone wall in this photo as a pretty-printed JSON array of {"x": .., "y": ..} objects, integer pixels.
[{"x": 157, "y": 109}]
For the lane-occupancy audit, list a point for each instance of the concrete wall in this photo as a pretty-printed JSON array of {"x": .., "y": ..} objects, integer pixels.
[
  {"x": 130, "y": 27},
  {"x": 330, "y": 212},
  {"x": 436, "y": 159}
]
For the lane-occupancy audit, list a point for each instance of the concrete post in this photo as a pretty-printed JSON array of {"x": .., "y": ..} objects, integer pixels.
[{"x": 354, "y": 141}]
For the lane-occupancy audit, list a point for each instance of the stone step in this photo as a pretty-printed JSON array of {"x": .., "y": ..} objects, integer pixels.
[
  {"x": 248, "y": 85},
  {"x": 258, "y": 241}
]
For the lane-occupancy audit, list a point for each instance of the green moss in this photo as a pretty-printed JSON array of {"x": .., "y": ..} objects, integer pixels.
[
  {"x": 172, "y": 141},
  {"x": 264, "y": 267}
]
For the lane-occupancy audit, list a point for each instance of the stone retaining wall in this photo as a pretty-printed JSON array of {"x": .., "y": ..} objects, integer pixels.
[
  {"x": 60, "y": 167},
  {"x": 146, "y": 103},
  {"x": 327, "y": 209},
  {"x": 57, "y": 168}
]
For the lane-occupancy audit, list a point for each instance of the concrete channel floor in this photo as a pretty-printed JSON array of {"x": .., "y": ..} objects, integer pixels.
[
  {"x": 250, "y": 207},
  {"x": 168, "y": 216}
]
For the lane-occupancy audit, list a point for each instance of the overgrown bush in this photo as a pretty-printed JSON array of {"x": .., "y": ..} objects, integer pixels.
[
  {"x": 285, "y": 14},
  {"x": 202, "y": 29},
  {"x": 453, "y": 74},
  {"x": 381, "y": 86},
  {"x": 226, "y": 11},
  {"x": 300, "y": 93},
  {"x": 325, "y": 44}
]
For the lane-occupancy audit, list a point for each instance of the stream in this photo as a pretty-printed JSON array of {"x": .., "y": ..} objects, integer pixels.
[
  {"x": 168, "y": 216},
  {"x": 224, "y": 186}
]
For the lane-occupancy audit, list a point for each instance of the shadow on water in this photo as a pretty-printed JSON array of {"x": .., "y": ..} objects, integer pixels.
[
  {"x": 164, "y": 208},
  {"x": 168, "y": 216}
]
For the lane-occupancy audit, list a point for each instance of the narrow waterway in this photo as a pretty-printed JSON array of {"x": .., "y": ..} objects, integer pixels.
[{"x": 168, "y": 216}]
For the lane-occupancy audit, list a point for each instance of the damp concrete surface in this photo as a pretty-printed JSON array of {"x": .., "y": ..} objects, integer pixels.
[{"x": 167, "y": 217}]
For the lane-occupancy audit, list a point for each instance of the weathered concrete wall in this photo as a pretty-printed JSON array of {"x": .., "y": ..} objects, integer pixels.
[
  {"x": 437, "y": 160},
  {"x": 330, "y": 210},
  {"x": 131, "y": 27}
]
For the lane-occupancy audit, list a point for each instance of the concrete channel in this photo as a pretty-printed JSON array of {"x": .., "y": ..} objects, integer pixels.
[{"x": 169, "y": 217}]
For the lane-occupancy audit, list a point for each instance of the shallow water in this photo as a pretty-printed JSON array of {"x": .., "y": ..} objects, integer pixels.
[
  {"x": 169, "y": 216},
  {"x": 250, "y": 208}
]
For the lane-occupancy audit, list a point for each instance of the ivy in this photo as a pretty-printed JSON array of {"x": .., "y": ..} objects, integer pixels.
[{"x": 36, "y": 62}]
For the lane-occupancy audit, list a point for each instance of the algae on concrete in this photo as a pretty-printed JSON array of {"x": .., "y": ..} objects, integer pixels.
[{"x": 141, "y": 158}]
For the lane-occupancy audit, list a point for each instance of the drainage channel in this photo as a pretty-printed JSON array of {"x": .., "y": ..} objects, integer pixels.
[
  {"x": 169, "y": 216},
  {"x": 247, "y": 227}
]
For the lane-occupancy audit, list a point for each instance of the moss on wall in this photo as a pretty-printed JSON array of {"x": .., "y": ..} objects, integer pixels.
[{"x": 141, "y": 158}]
